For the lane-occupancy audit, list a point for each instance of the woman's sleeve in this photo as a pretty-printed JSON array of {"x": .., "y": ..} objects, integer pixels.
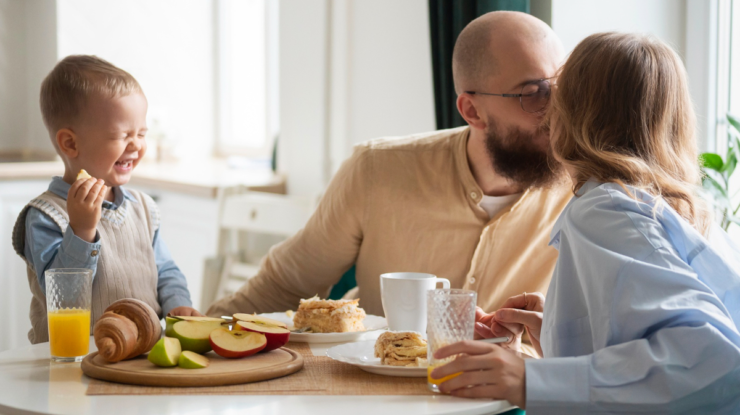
[{"x": 672, "y": 348}]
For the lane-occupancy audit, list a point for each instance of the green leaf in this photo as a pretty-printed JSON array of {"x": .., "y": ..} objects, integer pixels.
[
  {"x": 712, "y": 161},
  {"x": 734, "y": 219},
  {"x": 736, "y": 148},
  {"x": 718, "y": 192},
  {"x": 734, "y": 124},
  {"x": 729, "y": 167}
]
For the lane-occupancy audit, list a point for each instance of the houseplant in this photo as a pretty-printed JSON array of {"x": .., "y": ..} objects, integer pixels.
[{"x": 717, "y": 175}]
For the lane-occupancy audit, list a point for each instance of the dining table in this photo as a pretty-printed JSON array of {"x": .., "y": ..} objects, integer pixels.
[{"x": 30, "y": 383}]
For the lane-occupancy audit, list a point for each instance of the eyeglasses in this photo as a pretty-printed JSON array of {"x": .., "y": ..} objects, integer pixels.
[{"x": 534, "y": 96}]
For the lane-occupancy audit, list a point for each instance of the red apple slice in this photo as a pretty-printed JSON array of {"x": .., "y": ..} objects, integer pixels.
[
  {"x": 277, "y": 336},
  {"x": 236, "y": 343},
  {"x": 259, "y": 319}
]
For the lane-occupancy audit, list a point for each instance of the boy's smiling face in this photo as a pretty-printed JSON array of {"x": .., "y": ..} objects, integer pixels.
[{"x": 111, "y": 137}]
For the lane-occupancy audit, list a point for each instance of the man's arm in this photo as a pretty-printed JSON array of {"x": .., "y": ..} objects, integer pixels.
[{"x": 314, "y": 259}]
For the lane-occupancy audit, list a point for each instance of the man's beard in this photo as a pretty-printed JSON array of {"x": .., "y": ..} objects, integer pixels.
[{"x": 517, "y": 157}]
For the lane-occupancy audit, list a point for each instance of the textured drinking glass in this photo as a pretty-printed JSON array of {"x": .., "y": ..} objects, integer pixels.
[
  {"x": 450, "y": 319},
  {"x": 68, "y": 298}
]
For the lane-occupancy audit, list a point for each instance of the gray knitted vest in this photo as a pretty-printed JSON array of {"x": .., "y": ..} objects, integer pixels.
[{"x": 126, "y": 266}]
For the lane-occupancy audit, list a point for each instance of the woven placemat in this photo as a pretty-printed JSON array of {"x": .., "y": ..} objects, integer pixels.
[{"x": 320, "y": 376}]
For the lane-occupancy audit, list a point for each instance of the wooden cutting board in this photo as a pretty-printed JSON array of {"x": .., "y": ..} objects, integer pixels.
[{"x": 220, "y": 371}]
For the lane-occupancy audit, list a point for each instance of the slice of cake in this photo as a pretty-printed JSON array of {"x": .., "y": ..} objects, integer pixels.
[
  {"x": 405, "y": 348},
  {"x": 329, "y": 316}
]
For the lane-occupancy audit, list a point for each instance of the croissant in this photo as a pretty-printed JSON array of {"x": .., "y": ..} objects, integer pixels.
[{"x": 127, "y": 328}]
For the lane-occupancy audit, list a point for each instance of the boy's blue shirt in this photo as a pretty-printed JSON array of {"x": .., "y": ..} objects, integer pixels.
[{"x": 47, "y": 247}]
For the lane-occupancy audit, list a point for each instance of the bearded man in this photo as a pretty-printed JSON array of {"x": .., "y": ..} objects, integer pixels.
[{"x": 473, "y": 204}]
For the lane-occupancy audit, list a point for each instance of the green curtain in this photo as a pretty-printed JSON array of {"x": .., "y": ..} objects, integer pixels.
[
  {"x": 447, "y": 18},
  {"x": 346, "y": 283}
]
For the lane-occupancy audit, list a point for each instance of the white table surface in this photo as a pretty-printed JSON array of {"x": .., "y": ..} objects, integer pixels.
[{"x": 31, "y": 384}]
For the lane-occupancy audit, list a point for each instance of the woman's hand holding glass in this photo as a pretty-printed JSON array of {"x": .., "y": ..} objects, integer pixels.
[{"x": 488, "y": 371}]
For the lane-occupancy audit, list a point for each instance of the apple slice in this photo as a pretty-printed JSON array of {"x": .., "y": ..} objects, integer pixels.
[
  {"x": 236, "y": 343},
  {"x": 277, "y": 336},
  {"x": 191, "y": 360},
  {"x": 194, "y": 335},
  {"x": 169, "y": 322},
  {"x": 197, "y": 318},
  {"x": 166, "y": 352},
  {"x": 259, "y": 319}
]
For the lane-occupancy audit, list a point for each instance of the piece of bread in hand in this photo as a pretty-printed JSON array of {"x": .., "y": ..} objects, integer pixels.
[{"x": 83, "y": 175}]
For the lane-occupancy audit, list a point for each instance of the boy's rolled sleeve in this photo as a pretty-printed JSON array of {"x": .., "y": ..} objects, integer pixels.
[
  {"x": 76, "y": 253},
  {"x": 172, "y": 287}
]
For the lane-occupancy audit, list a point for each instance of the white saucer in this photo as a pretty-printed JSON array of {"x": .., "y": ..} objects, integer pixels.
[
  {"x": 371, "y": 323},
  {"x": 361, "y": 354}
]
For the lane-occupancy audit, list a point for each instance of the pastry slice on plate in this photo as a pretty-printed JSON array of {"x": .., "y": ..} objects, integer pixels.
[
  {"x": 405, "y": 348},
  {"x": 329, "y": 316}
]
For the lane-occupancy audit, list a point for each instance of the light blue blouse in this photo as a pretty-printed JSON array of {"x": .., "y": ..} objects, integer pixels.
[{"x": 641, "y": 315}]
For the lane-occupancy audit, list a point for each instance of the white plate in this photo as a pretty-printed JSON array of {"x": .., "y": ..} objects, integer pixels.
[
  {"x": 362, "y": 355},
  {"x": 371, "y": 323}
]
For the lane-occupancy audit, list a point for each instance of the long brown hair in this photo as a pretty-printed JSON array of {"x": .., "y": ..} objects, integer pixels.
[{"x": 621, "y": 112}]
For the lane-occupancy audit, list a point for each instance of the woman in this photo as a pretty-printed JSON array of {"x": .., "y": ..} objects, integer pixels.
[{"x": 642, "y": 311}]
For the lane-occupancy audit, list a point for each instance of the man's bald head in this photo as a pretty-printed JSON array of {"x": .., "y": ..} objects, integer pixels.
[{"x": 488, "y": 40}]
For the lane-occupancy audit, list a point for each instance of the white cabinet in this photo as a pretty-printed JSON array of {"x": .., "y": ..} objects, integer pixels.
[{"x": 15, "y": 296}]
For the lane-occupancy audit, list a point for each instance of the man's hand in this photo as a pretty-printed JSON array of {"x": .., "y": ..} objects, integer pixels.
[
  {"x": 84, "y": 204},
  {"x": 185, "y": 311},
  {"x": 486, "y": 371}
]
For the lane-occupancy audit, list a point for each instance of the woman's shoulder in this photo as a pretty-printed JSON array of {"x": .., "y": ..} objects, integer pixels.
[{"x": 616, "y": 216}]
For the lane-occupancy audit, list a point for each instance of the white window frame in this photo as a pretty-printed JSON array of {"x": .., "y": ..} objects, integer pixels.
[
  {"x": 223, "y": 21},
  {"x": 724, "y": 51}
]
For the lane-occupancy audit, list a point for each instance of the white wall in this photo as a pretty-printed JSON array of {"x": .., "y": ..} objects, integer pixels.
[
  {"x": 381, "y": 75},
  {"x": 27, "y": 53},
  {"x": 303, "y": 114},
  {"x": 689, "y": 26},
  {"x": 351, "y": 70},
  {"x": 390, "y": 69},
  {"x": 573, "y": 20}
]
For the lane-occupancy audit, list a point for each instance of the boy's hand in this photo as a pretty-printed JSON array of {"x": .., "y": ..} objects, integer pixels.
[
  {"x": 84, "y": 204},
  {"x": 185, "y": 311}
]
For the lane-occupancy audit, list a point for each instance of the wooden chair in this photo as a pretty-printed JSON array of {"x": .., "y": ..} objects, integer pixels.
[{"x": 255, "y": 213}]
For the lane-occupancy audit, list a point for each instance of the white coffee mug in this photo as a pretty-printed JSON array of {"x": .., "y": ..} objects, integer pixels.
[{"x": 404, "y": 296}]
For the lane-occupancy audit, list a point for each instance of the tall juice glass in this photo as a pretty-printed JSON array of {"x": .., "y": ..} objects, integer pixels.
[
  {"x": 68, "y": 299},
  {"x": 450, "y": 319}
]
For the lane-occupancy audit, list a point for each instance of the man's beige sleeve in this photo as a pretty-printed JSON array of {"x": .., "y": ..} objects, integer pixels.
[{"x": 314, "y": 259}]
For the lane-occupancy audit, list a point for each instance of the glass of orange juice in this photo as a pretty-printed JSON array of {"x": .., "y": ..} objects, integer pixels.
[
  {"x": 450, "y": 319},
  {"x": 68, "y": 299}
]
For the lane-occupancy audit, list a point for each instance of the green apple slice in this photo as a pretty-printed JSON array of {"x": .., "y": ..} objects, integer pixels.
[
  {"x": 166, "y": 352},
  {"x": 195, "y": 335},
  {"x": 191, "y": 360},
  {"x": 169, "y": 322}
]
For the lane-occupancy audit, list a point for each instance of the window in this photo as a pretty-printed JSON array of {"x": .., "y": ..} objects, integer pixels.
[
  {"x": 208, "y": 68},
  {"x": 728, "y": 87},
  {"x": 728, "y": 68},
  {"x": 247, "y": 77}
]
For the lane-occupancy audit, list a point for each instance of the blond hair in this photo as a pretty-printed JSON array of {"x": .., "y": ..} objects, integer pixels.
[
  {"x": 73, "y": 80},
  {"x": 622, "y": 113}
]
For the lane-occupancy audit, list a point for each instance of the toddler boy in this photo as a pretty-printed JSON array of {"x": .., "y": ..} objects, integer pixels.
[{"x": 96, "y": 116}]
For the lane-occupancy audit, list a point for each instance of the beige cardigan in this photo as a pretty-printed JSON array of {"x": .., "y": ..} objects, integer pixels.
[{"x": 409, "y": 204}]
